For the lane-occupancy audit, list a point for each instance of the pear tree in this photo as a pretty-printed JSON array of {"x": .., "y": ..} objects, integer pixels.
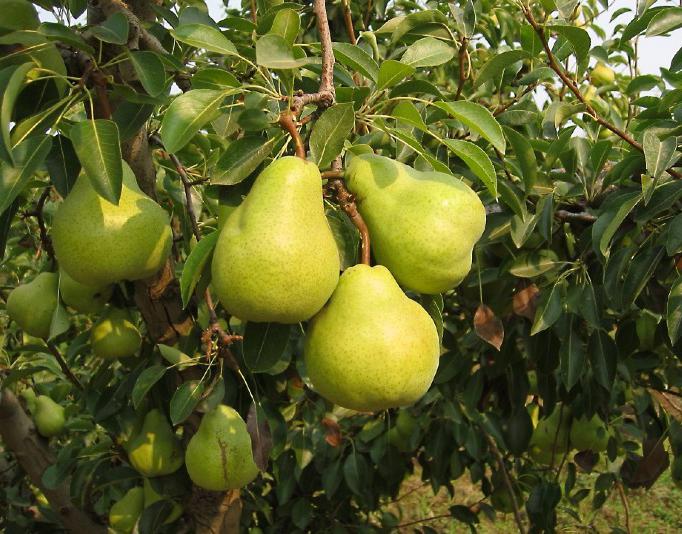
[{"x": 265, "y": 266}]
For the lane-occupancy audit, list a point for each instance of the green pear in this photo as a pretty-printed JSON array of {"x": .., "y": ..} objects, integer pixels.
[
  {"x": 151, "y": 496},
  {"x": 156, "y": 450},
  {"x": 602, "y": 75},
  {"x": 32, "y": 304},
  {"x": 48, "y": 416},
  {"x": 276, "y": 259},
  {"x": 422, "y": 225},
  {"x": 589, "y": 434},
  {"x": 371, "y": 347},
  {"x": 125, "y": 512},
  {"x": 99, "y": 243},
  {"x": 551, "y": 435},
  {"x": 81, "y": 297},
  {"x": 29, "y": 397},
  {"x": 115, "y": 336},
  {"x": 219, "y": 455}
]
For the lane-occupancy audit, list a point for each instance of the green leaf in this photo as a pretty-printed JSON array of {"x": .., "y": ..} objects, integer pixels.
[
  {"x": 6, "y": 218},
  {"x": 130, "y": 117},
  {"x": 603, "y": 353},
  {"x": 274, "y": 52},
  {"x": 150, "y": 376},
  {"x": 113, "y": 30},
  {"x": 150, "y": 71},
  {"x": 525, "y": 156},
  {"x": 477, "y": 160},
  {"x": 412, "y": 21},
  {"x": 356, "y": 58},
  {"x": 673, "y": 243},
  {"x": 674, "y": 311},
  {"x": 62, "y": 164},
  {"x": 534, "y": 263},
  {"x": 572, "y": 357},
  {"x": 241, "y": 158},
  {"x": 549, "y": 309},
  {"x": 264, "y": 345},
  {"x": 184, "y": 400},
  {"x": 434, "y": 305},
  {"x": 60, "y": 321},
  {"x": 214, "y": 78},
  {"x": 206, "y": 37},
  {"x": 405, "y": 111},
  {"x": 29, "y": 155},
  {"x": 12, "y": 81},
  {"x": 187, "y": 114},
  {"x": 478, "y": 119},
  {"x": 99, "y": 150},
  {"x": 286, "y": 24},
  {"x": 18, "y": 15},
  {"x": 154, "y": 516},
  {"x": 194, "y": 265},
  {"x": 612, "y": 216},
  {"x": 392, "y": 72},
  {"x": 355, "y": 473},
  {"x": 639, "y": 273},
  {"x": 665, "y": 21},
  {"x": 658, "y": 154},
  {"x": 579, "y": 38},
  {"x": 465, "y": 19},
  {"x": 329, "y": 133},
  {"x": 494, "y": 68},
  {"x": 427, "y": 52},
  {"x": 66, "y": 35}
]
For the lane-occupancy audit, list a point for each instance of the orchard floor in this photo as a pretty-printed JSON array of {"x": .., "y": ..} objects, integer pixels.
[{"x": 658, "y": 510}]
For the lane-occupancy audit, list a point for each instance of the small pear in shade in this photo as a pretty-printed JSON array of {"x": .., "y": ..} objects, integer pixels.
[
  {"x": 32, "y": 305},
  {"x": 48, "y": 416},
  {"x": 115, "y": 336},
  {"x": 125, "y": 512},
  {"x": 155, "y": 450},
  {"x": 81, "y": 297},
  {"x": 371, "y": 347}
]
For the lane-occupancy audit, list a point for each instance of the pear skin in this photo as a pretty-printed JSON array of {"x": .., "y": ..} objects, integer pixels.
[
  {"x": 156, "y": 450},
  {"x": 219, "y": 456},
  {"x": 276, "y": 258},
  {"x": 81, "y": 297},
  {"x": 125, "y": 512},
  {"x": 589, "y": 434},
  {"x": 98, "y": 243},
  {"x": 371, "y": 347},
  {"x": 115, "y": 336},
  {"x": 32, "y": 304},
  {"x": 602, "y": 75},
  {"x": 423, "y": 225},
  {"x": 48, "y": 416}
]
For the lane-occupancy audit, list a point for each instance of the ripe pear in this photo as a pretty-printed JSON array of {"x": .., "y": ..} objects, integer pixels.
[
  {"x": 371, "y": 347},
  {"x": 589, "y": 434},
  {"x": 99, "y": 243},
  {"x": 276, "y": 259},
  {"x": 423, "y": 225},
  {"x": 32, "y": 304},
  {"x": 115, "y": 336},
  {"x": 48, "y": 416},
  {"x": 219, "y": 455},
  {"x": 81, "y": 297},
  {"x": 156, "y": 450},
  {"x": 151, "y": 496},
  {"x": 602, "y": 75},
  {"x": 125, "y": 512}
]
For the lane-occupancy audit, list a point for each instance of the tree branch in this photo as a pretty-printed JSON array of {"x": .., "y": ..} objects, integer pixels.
[
  {"x": 583, "y": 216},
  {"x": 286, "y": 121},
  {"x": 45, "y": 241},
  {"x": 462, "y": 73},
  {"x": 327, "y": 78},
  {"x": 348, "y": 21},
  {"x": 62, "y": 363},
  {"x": 347, "y": 203},
  {"x": 507, "y": 482}
]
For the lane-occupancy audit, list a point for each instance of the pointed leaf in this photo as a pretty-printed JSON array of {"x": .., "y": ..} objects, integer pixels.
[
  {"x": 150, "y": 71},
  {"x": 184, "y": 400},
  {"x": 113, "y": 30},
  {"x": 264, "y": 345},
  {"x": 150, "y": 376},
  {"x": 525, "y": 155},
  {"x": 477, "y": 160},
  {"x": 29, "y": 155},
  {"x": 658, "y": 154},
  {"x": 494, "y": 68},
  {"x": 329, "y": 133},
  {"x": 392, "y": 72},
  {"x": 488, "y": 326},
  {"x": 356, "y": 58},
  {"x": 62, "y": 164},
  {"x": 665, "y": 21},
  {"x": 12, "y": 81},
  {"x": 550, "y": 308},
  {"x": 206, "y": 37},
  {"x": 241, "y": 158},
  {"x": 478, "y": 119},
  {"x": 194, "y": 265},
  {"x": 427, "y": 52}
]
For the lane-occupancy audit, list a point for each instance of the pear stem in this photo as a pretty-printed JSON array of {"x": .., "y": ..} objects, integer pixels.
[
  {"x": 347, "y": 202},
  {"x": 286, "y": 121}
]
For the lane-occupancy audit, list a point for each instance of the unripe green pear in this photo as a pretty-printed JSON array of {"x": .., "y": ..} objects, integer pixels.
[
  {"x": 151, "y": 496},
  {"x": 422, "y": 225},
  {"x": 81, "y": 297},
  {"x": 589, "y": 434},
  {"x": 276, "y": 259},
  {"x": 125, "y": 512},
  {"x": 551, "y": 433},
  {"x": 405, "y": 423},
  {"x": 99, "y": 243},
  {"x": 371, "y": 347},
  {"x": 29, "y": 397},
  {"x": 219, "y": 455},
  {"x": 156, "y": 450},
  {"x": 48, "y": 416},
  {"x": 602, "y": 75},
  {"x": 115, "y": 336},
  {"x": 32, "y": 305}
]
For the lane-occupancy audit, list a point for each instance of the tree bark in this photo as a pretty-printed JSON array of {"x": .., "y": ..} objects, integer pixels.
[
  {"x": 215, "y": 512},
  {"x": 34, "y": 456}
]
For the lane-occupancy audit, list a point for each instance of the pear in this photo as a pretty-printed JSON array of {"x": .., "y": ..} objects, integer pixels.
[
  {"x": 151, "y": 496},
  {"x": 156, "y": 450},
  {"x": 371, "y": 347},
  {"x": 219, "y": 455},
  {"x": 48, "y": 416},
  {"x": 115, "y": 336},
  {"x": 602, "y": 75},
  {"x": 32, "y": 304},
  {"x": 423, "y": 225},
  {"x": 589, "y": 434},
  {"x": 29, "y": 397},
  {"x": 98, "y": 243},
  {"x": 551, "y": 435},
  {"x": 276, "y": 259},
  {"x": 125, "y": 512},
  {"x": 81, "y": 297}
]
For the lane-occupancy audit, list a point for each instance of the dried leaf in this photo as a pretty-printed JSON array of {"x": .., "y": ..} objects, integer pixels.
[
  {"x": 332, "y": 432},
  {"x": 261, "y": 437},
  {"x": 670, "y": 404},
  {"x": 586, "y": 460},
  {"x": 642, "y": 471},
  {"x": 525, "y": 302},
  {"x": 488, "y": 327}
]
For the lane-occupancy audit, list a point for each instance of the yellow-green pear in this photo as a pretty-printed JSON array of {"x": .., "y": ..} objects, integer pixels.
[
  {"x": 602, "y": 75},
  {"x": 589, "y": 434},
  {"x": 48, "y": 416},
  {"x": 151, "y": 496},
  {"x": 32, "y": 304},
  {"x": 551, "y": 435},
  {"x": 219, "y": 455},
  {"x": 156, "y": 450},
  {"x": 115, "y": 336},
  {"x": 98, "y": 243},
  {"x": 422, "y": 225},
  {"x": 81, "y": 297},
  {"x": 276, "y": 259},
  {"x": 29, "y": 397},
  {"x": 125, "y": 512},
  {"x": 371, "y": 347}
]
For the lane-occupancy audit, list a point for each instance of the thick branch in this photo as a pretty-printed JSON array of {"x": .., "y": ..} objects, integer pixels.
[
  {"x": 348, "y": 21},
  {"x": 20, "y": 437},
  {"x": 327, "y": 78},
  {"x": 215, "y": 513},
  {"x": 583, "y": 216}
]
